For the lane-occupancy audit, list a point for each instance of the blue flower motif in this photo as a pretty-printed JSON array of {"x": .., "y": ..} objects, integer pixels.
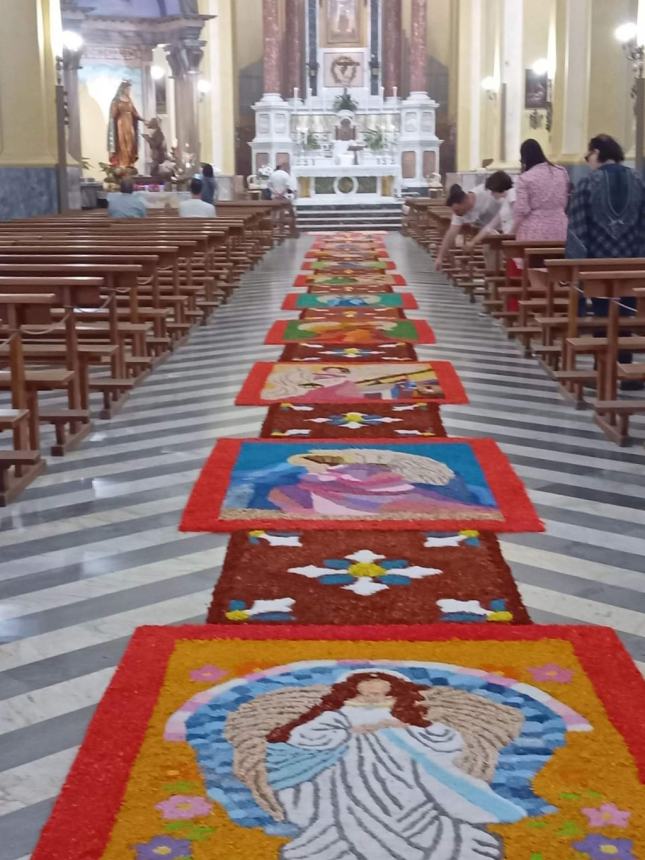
[{"x": 364, "y": 572}]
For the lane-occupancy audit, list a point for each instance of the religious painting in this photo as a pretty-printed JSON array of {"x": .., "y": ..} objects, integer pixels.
[
  {"x": 343, "y": 69},
  {"x": 536, "y": 90},
  {"x": 342, "y": 382},
  {"x": 343, "y": 25},
  {"x": 422, "y": 482}
]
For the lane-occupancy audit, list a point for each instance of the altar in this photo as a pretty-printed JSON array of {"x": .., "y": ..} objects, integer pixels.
[{"x": 342, "y": 125}]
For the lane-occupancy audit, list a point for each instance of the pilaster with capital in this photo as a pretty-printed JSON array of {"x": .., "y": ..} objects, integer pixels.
[
  {"x": 418, "y": 141},
  {"x": 419, "y": 47},
  {"x": 295, "y": 45},
  {"x": 391, "y": 40},
  {"x": 272, "y": 142},
  {"x": 184, "y": 57}
]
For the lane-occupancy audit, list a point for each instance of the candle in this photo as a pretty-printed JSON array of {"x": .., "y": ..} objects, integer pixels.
[
  {"x": 394, "y": 91},
  {"x": 382, "y": 93},
  {"x": 295, "y": 93}
]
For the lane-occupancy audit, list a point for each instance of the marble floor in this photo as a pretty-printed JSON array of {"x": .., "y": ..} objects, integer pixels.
[{"x": 92, "y": 549}]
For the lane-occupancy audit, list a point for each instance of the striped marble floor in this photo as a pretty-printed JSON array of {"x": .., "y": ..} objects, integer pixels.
[{"x": 92, "y": 549}]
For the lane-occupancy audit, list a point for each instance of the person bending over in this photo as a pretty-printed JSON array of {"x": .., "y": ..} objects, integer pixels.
[{"x": 473, "y": 207}]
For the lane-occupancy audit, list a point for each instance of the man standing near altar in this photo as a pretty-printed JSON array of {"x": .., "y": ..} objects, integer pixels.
[{"x": 281, "y": 184}]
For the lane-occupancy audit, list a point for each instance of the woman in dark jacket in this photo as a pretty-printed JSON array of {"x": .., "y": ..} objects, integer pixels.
[
  {"x": 607, "y": 219},
  {"x": 209, "y": 185}
]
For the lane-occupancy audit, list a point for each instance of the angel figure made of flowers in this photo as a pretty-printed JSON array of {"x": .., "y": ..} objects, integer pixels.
[{"x": 374, "y": 765}]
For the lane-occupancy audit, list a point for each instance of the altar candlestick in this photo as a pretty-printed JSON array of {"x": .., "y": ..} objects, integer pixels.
[
  {"x": 382, "y": 95},
  {"x": 295, "y": 94},
  {"x": 394, "y": 91}
]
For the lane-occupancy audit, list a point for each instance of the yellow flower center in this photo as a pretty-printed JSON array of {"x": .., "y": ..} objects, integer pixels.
[
  {"x": 237, "y": 615},
  {"x": 502, "y": 615},
  {"x": 184, "y": 806},
  {"x": 363, "y": 568},
  {"x": 353, "y": 416},
  {"x": 162, "y": 850},
  {"x": 608, "y": 849}
]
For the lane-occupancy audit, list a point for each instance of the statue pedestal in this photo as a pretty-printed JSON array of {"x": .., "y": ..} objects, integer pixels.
[
  {"x": 273, "y": 142},
  {"x": 419, "y": 145}
]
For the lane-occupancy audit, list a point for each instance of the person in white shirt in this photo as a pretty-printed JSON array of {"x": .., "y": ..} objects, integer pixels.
[
  {"x": 473, "y": 207},
  {"x": 280, "y": 184},
  {"x": 196, "y": 207},
  {"x": 501, "y": 187}
]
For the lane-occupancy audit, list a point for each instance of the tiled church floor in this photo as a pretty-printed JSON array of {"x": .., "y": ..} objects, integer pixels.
[{"x": 92, "y": 549}]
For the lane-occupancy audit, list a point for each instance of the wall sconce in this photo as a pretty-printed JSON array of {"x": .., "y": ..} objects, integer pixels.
[
  {"x": 157, "y": 73},
  {"x": 490, "y": 86},
  {"x": 203, "y": 88}
]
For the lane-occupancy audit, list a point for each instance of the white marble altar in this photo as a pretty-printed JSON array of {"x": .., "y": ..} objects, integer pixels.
[{"x": 342, "y": 136}]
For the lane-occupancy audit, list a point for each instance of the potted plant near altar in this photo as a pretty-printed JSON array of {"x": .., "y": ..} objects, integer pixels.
[
  {"x": 374, "y": 139},
  {"x": 114, "y": 173},
  {"x": 344, "y": 102}
]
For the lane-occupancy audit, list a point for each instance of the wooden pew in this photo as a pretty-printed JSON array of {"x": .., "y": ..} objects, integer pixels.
[
  {"x": 72, "y": 424},
  {"x": 612, "y": 414},
  {"x": 20, "y": 464},
  {"x": 558, "y": 326}
]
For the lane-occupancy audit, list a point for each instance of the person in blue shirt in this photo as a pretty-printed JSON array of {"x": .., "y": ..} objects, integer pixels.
[{"x": 125, "y": 204}]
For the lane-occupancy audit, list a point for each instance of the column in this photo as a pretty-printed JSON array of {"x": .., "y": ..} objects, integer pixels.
[
  {"x": 418, "y": 142},
  {"x": 70, "y": 80},
  {"x": 217, "y": 110},
  {"x": 294, "y": 39},
  {"x": 391, "y": 39},
  {"x": 419, "y": 47},
  {"x": 272, "y": 143},
  {"x": 30, "y": 41},
  {"x": 184, "y": 58},
  {"x": 271, "y": 31},
  {"x": 611, "y": 76},
  {"x": 571, "y": 80},
  {"x": 512, "y": 80}
]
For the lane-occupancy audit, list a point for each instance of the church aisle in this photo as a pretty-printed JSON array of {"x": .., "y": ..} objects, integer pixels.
[{"x": 74, "y": 589}]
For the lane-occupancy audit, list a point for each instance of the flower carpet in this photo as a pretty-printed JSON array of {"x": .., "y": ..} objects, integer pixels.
[
  {"x": 357, "y": 330},
  {"x": 369, "y": 685},
  {"x": 482, "y": 740},
  {"x": 359, "y": 420},
  {"x": 392, "y": 484},
  {"x": 342, "y": 382},
  {"x": 390, "y": 351},
  {"x": 415, "y": 577}
]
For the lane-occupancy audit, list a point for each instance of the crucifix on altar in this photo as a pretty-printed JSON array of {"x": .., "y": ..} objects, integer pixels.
[{"x": 333, "y": 112}]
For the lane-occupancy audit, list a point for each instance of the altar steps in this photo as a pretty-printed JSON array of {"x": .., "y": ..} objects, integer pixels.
[{"x": 367, "y": 216}]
